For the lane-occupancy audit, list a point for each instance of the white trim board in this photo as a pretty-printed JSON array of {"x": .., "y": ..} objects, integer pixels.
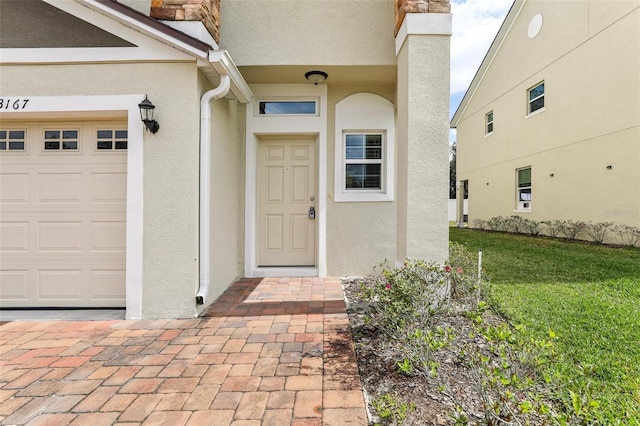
[
  {"x": 257, "y": 126},
  {"x": 66, "y": 107}
]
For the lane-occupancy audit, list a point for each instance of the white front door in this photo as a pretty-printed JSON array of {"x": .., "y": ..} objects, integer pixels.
[{"x": 286, "y": 193}]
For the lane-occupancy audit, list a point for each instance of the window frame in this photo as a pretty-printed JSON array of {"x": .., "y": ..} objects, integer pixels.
[
  {"x": 364, "y": 161},
  {"x": 114, "y": 139},
  {"x": 524, "y": 205},
  {"x": 61, "y": 140},
  {"x": 7, "y": 140},
  {"x": 531, "y": 101},
  {"x": 364, "y": 113},
  {"x": 488, "y": 123},
  {"x": 259, "y": 102}
]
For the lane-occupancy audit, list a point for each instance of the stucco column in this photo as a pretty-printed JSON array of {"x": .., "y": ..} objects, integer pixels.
[{"x": 422, "y": 48}]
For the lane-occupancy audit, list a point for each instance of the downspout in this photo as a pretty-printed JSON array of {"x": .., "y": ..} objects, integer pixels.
[{"x": 205, "y": 185}]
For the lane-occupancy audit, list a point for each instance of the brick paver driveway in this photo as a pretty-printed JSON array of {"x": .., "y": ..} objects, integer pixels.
[{"x": 268, "y": 352}]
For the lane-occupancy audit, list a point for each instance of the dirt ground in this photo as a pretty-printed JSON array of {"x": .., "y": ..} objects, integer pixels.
[{"x": 453, "y": 394}]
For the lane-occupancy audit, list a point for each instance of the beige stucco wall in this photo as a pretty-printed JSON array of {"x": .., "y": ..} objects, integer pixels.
[
  {"x": 291, "y": 32},
  {"x": 360, "y": 235},
  {"x": 227, "y": 195},
  {"x": 590, "y": 64},
  {"x": 171, "y": 197},
  {"x": 422, "y": 133},
  {"x": 170, "y": 234}
]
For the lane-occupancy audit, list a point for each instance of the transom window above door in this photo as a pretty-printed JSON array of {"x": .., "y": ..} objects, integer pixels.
[{"x": 305, "y": 107}]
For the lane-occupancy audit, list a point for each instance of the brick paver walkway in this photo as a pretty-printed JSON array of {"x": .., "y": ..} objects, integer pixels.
[{"x": 268, "y": 352}]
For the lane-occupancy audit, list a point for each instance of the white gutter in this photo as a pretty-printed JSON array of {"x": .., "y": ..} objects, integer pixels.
[{"x": 205, "y": 185}]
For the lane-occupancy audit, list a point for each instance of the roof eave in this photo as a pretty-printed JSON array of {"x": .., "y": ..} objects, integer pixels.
[
  {"x": 149, "y": 26},
  {"x": 209, "y": 60},
  {"x": 514, "y": 11}
]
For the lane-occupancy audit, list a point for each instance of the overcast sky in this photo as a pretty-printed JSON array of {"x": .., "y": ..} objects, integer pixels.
[{"x": 475, "y": 25}]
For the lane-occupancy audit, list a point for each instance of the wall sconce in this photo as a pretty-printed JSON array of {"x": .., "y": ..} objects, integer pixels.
[
  {"x": 146, "y": 115},
  {"x": 316, "y": 77}
]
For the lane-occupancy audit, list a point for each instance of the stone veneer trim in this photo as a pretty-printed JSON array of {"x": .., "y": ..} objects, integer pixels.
[
  {"x": 418, "y": 6},
  {"x": 205, "y": 11}
]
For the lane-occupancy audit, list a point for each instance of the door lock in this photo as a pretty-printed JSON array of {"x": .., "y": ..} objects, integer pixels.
[{"x": 312, "y": 212}]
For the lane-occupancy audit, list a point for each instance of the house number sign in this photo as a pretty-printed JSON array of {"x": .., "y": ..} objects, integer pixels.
[{"x": 14, "y": 104}]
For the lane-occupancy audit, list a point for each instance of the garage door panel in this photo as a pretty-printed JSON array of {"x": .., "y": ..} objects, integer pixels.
[
  {"x": 59, "y": 284},
  {"x": 14, "y": 285},
  {"x": 108, "y": 236},
  {"x": 14, "y": 188},
  {"x": 63, "y": 222},
  {"x": 60, "y": 236},
  {"x": 108, "y": 187},
  {"x": 60, "y": 187},
  {"x": 109, "y": 285},
  {"x": 14, "y": 237}
]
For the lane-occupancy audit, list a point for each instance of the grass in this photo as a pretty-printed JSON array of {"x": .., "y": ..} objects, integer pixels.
[{"x": 589, "y": 296}]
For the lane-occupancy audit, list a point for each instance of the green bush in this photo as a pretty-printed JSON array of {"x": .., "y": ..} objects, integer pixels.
[
  {"x": 598, "y": 232},
  {"x": 404, "y": 300}
]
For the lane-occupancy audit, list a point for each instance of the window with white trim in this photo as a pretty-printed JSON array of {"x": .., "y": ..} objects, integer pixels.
[
  {"x": 364, "y": 149},
  {"x": 523, "y": 177},
  {"x": 288, "y": 107},
  {"x": 58, "y": 140},
  {"x": 12, "y": 140},
  {"x": 364, "y": 163},
  {"x": 536, "y": 98},
  {"x": 488, "y": 123},
  {"x": 111, "y": 139}
]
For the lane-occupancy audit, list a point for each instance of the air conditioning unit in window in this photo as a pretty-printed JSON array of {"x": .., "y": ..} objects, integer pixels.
[{"x": 524, "y": 205}]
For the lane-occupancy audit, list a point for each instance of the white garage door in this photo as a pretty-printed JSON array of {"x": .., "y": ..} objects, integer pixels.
[{"x": 62, "y": 214}]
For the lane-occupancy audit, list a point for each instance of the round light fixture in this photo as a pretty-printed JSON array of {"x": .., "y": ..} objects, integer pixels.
[{"x": 316, "y": 77}]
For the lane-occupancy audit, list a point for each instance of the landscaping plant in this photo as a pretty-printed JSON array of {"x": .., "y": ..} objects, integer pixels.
[{"x": 553, "y": 339}]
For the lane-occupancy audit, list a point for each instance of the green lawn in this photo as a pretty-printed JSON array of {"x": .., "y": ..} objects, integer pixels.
[{"x": 589, "y": 295}]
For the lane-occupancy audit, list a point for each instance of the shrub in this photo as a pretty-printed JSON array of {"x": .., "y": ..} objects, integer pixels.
[
  {"x": 531, "y": 227},
  {"x": 514, "y": 223},
  {"x": 522, "y": 225},
  {"x": 628, "y": 235},
  {"x": 404, "y": 300},
  {"x": 498, "y": 223},
  {"x": 572, "y": 228},
  {"x": 480, "y": 223},
  {"x": 598, "y": 231},
  {"x": 554, "y": 227}
]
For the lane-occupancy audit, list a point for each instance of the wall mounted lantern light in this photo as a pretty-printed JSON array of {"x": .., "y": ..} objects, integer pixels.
[
  {"x": 316, "y": 77},
  {"x": 146, "y": 114}
]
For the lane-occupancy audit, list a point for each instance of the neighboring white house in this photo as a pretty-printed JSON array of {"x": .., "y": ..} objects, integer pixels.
[
  {"x": 295, "y": 139},
  {"x": 550, "y": 125}
]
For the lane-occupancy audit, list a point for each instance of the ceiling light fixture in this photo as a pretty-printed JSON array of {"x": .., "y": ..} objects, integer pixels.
[{"x": 316, "y": 77}]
